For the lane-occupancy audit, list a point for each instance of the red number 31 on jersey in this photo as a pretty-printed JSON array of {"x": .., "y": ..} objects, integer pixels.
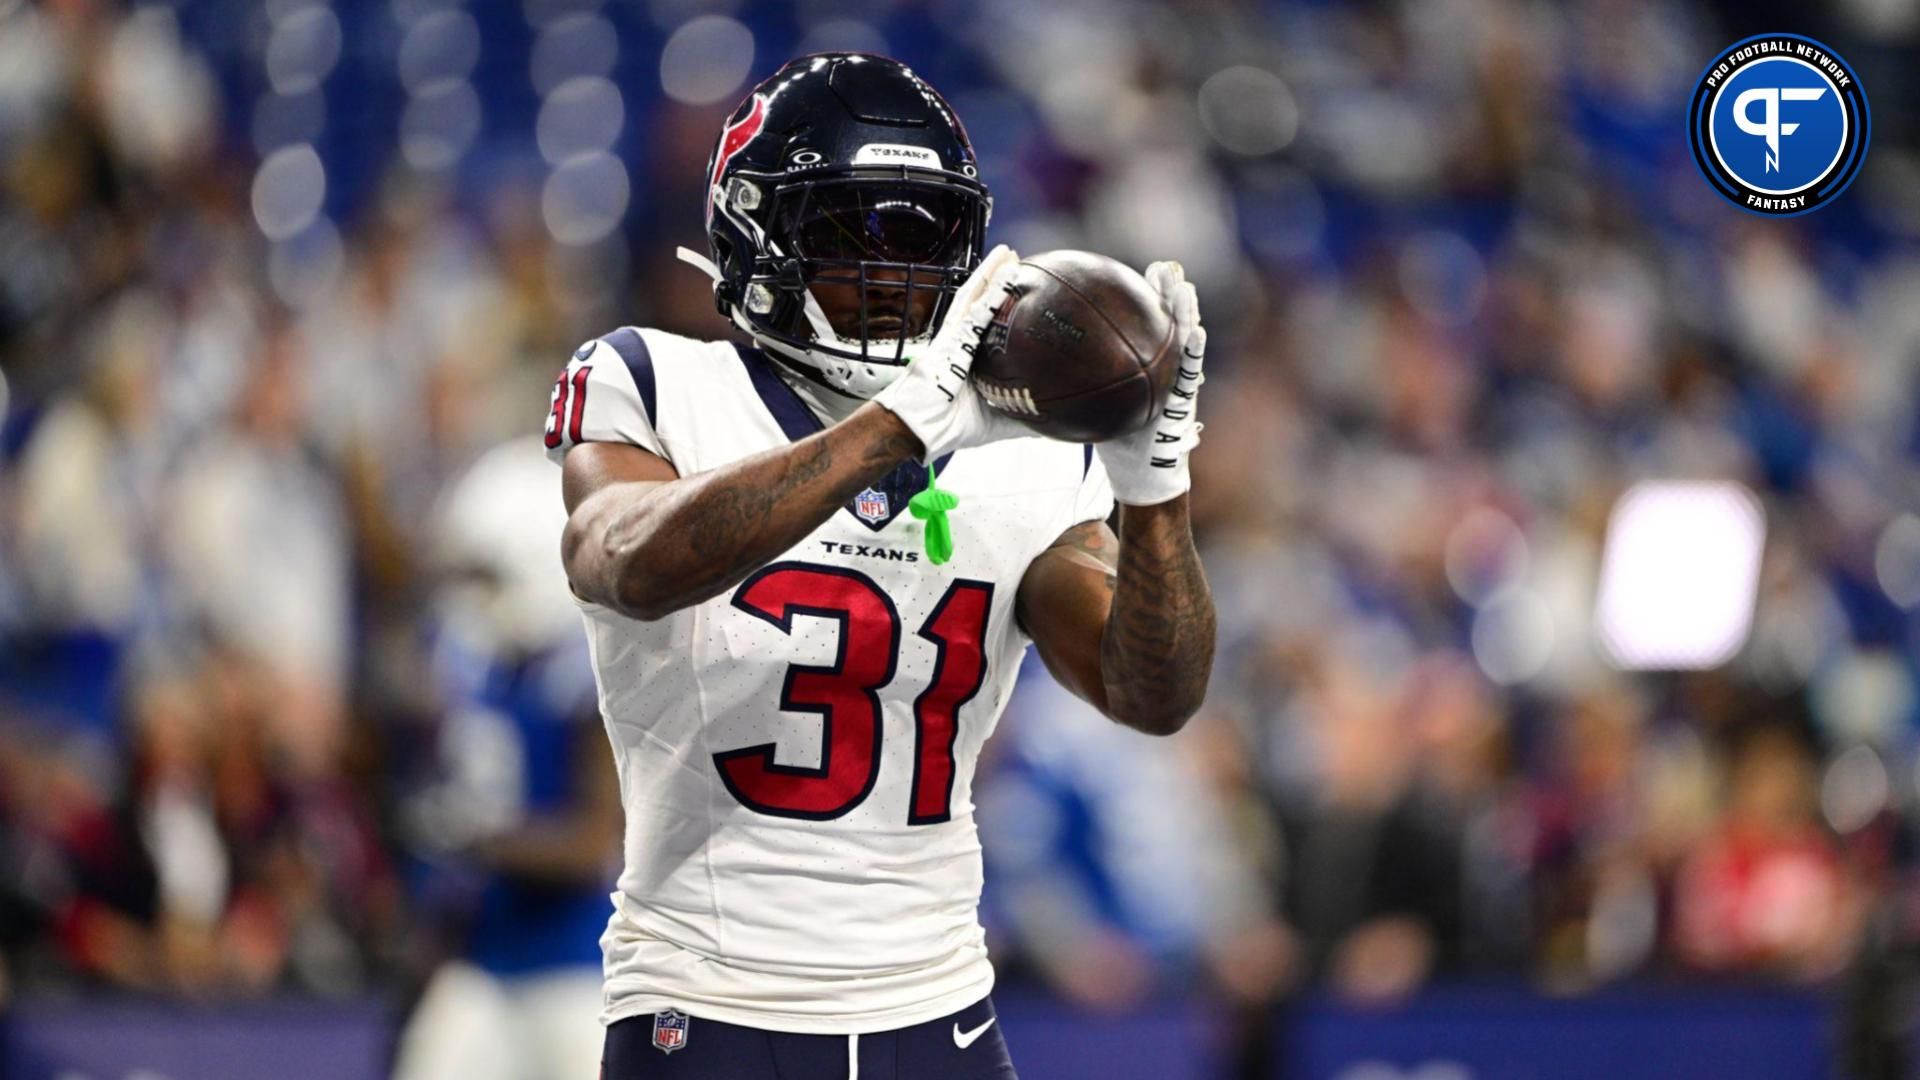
[
  {"x": 846, "y": 694},
  {"x": 569, "y": 405}
]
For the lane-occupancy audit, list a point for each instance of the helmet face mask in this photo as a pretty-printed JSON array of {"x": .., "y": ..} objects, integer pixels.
[
  {"x": 879, "y": 219},
  {"x": 891, "y": 247},
  {"x": 845, "y": 210}
]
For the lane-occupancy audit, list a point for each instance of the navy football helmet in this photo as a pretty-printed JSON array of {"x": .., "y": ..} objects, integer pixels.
[{"x": 843, "y": 174}]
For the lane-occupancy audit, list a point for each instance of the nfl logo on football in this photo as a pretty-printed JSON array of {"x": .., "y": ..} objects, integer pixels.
[
  {"x": 871, "y": 505},
  {"x": 670, "y": 1030}
]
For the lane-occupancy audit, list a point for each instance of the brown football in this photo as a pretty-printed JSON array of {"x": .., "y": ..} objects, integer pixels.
[{"x": 1082, "y": 350}]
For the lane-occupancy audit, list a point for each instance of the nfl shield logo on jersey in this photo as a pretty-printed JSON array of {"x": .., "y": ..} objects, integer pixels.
[
  {"x": 670, "y": 1030},
  {"x": 871, "y": 505}
]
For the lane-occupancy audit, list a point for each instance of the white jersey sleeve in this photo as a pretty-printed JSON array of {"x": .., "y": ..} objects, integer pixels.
[{"x": 608, "y": 393}]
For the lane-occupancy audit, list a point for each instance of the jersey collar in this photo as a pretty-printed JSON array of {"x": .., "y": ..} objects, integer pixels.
[{"x": 880, "y": 504}]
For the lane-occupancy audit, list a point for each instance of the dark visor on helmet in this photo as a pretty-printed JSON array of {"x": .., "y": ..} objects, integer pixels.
[
  {"x": 882, "y": 254},
  {"x": 881, "y": 223}
]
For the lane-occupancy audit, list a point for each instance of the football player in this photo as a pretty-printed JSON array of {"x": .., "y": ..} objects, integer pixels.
[{"x": 796, "y": 677}]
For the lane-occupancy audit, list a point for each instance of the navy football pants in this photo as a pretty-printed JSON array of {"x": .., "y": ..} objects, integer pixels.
[{"x": 711, "y": 1050}]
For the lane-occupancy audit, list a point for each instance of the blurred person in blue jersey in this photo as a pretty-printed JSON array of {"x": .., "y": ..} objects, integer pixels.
[
  {"x": 526, "y": 807},
  {"x": 1118, "y": 869}
]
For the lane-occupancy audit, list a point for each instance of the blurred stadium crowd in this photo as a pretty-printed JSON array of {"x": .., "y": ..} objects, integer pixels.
[{"x": 290, "y": 686}]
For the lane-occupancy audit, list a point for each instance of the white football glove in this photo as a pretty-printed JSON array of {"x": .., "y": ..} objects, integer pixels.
[
  {"x": 1150, "y": 465},
  {"x": 934, "y": 396}
]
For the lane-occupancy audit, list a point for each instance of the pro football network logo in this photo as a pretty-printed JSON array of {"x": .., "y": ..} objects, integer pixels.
[{"x": 1779, "y": 124}]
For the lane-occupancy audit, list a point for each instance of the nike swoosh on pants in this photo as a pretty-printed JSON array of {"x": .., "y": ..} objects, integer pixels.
[{"x": 964, "y": 1039}]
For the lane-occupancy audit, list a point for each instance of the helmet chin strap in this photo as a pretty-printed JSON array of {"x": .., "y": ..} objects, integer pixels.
[
  {"x": 853, "y": 378},
  {"x": 698, "y": 262},
  {"x": 823, "y": 331},
  {"x": 826, "y": 367},
  {"x": 849, "y": 378},
  {"x": 857, "y": 378}
]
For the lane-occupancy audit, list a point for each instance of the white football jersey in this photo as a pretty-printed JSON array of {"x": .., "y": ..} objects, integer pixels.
[{"x": 796, "y": 756}]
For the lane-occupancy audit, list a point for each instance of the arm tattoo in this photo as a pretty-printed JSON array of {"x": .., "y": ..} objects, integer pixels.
[
  {"x": 728, "y": 515},
  {"x": 885, "y": 453},
  {"x": 1157, "y": 651},
  {"x": 698, "y": 536}
]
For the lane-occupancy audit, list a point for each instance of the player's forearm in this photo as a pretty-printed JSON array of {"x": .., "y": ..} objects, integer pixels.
[
  {"x": 691, "y": 539},
  {"x": 1157, "y": 649}
]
